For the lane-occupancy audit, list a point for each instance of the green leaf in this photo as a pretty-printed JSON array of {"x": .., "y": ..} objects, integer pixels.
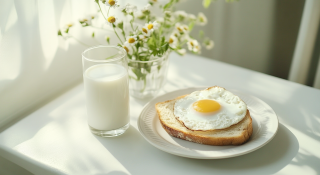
[
  {"x": 138, "y": 73},
  {"x": 59, "y": 33},
  {"x": 191, "y": 25},
  {"x": 108, "y": 40},
  {"x": 162, "y": 40},
  {"x": 206, "y": 3},
  {"x": 92, "y": 35},
  {"x": 167, "y": 26},
  {"x": 168, "y": 5},
  {"x": 142, "y": 17},
  {"x": 67, "y": 30}
]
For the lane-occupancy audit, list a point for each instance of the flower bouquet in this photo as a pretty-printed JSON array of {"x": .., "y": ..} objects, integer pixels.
[{"x": 148, "y": 35}]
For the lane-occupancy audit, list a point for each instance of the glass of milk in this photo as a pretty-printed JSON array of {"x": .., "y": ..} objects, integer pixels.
[{"x": 105, "y": 79}]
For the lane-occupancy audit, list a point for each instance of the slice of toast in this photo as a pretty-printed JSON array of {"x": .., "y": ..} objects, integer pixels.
[{"x": 234, "y": 135}]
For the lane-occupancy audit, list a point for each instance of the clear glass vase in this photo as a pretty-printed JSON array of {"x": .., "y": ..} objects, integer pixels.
[{"x": 146, "y": 78}]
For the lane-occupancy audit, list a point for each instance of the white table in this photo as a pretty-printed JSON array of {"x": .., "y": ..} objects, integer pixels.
[{"x": 55, "y": 139}]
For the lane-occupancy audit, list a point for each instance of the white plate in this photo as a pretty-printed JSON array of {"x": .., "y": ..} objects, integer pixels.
[{"x": 264, "y": 122}]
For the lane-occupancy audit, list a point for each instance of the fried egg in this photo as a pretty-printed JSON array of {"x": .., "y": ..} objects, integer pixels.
[{"x": 210, "y": 109}]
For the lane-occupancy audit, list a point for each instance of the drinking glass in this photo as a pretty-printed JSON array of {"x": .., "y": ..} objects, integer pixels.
[{"x": 106, "y": 85}]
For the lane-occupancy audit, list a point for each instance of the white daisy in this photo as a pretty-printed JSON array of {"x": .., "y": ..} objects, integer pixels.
[
  {"x": 202, "y": 19},
  {"x": 145, "y": 31},
  {"x": 131, "y": 8},
  {"x": 85, "y": 21},
  {"x": 127, "y": 47},
  {"x": 160, "y": 20},
  {"x": 151, "y": 26},
  {"x": 192, "y": 17},
  {"x": 182, "y": 51},
  {"x": 182, "y": 15},
  {"x": 180, "y": 28},
  {"x": 146, "y": 9},
  {"x": 173, "y": 41},
  {"x": 112, "y": 3},
  {"x": 209, "y": 44},
  {"x": 69, "y": 25},
  {"x": 123, "y": 9},
  {"x": 197, "y": 49},
  {"x": 132, "y": 40},
  {"x": 185, "y": 37},
  {"x": 185, "y": 28},
  {"x": 143, "y": 37},
  {"x": 193, "y": 45},
  {"x": 176, "y": 34},
  {"x": 112, "y": 20},
  {"x": 168, "y": 14}
]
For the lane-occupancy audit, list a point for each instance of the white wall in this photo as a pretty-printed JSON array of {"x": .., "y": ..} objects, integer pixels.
[{"x": 256, "y": 34}]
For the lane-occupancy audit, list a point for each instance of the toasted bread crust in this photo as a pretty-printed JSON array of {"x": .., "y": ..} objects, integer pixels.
[{"x": 202, "y": 136}]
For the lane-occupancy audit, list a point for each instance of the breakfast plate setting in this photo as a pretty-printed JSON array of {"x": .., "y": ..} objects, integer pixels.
[{"x": 264, "y": 124}]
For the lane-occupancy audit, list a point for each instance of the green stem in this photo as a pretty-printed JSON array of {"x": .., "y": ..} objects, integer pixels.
[
  {"x": 114, "y": 29},
  {"x": 112, "y": 56},
  {"x": 132, "y": 21},
  {"x": 102, "y": 12},
  {"x": 123, "y": 34},
  {"x": 148, "y": 18},
  {"x": 131, "y": 25},
  {"x": 144, "y": 84}
]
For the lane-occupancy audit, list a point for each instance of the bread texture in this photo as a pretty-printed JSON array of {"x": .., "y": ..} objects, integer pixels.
[{"x": 236, "y": 134}]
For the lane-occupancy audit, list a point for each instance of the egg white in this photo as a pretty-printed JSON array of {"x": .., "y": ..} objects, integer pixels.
[{"x": 232, "y": 110}]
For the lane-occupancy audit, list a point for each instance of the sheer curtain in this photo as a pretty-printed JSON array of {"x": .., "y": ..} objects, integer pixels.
[
  {"x": 36, "y": 64},
  {"x": 306, "y": 47}
]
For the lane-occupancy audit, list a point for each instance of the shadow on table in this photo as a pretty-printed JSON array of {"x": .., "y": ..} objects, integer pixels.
[{"x": 138, "y": 156}]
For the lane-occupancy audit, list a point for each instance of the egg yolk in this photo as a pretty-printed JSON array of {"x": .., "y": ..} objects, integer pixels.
[{"x": 206, "y": 106}]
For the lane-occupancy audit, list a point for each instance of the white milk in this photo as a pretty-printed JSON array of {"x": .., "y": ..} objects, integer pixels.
[{"x": 107, "y": 96}]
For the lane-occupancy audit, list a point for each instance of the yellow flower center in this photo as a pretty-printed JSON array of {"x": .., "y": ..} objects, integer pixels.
[
  {"x": 69, "y": 25},
  {"x": 111, "y": 2},
  {"x": 145, "y": 30},
  {"x": 111, "y": 19},
  {"x": 185, "y": 28},
  {"x": 131, "y": 40},
  {"x": 126, "y": 48},
  {"x": 191, "y": 43},
  {"x": 170, "y": 41},
  {"x": 85, "y": 20},
  {"x": 180, "y": 30},
  {"x": 201, "y": 19},
  {"x": 150, "y": 26}
]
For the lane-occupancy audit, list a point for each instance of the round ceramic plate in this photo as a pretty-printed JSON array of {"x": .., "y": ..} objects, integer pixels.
[{"x": 264, "y": 122}]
